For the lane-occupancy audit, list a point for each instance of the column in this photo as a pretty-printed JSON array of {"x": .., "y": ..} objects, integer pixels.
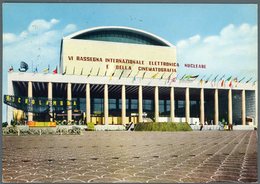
[
  {"x": 156, "y": 104},
  {"x": 202, "y": 113},
  {"x": 50, "y": 98},
  {"x": 106, "y": 104},
  {"x": 140, "y": 104},
  {"x": 172, "y": 104},
  {"x": 243, "y": 107},
  {"x": 30, "y": 95},
  {"x": 69, "y": 111},
  {"x": 256, "y": 104},
  {"x": 230, "y": 106},
  {"x": 10, "y": 91},
  {"x": 123, "y": 105},
  {"x": 187, "y": 105},
  {"x": 88, "y": 103},
  {"x": 216, "y": 109}
]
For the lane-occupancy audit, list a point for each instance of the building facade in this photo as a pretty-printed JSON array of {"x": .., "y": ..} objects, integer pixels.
[{"x": 118, "y": 75}]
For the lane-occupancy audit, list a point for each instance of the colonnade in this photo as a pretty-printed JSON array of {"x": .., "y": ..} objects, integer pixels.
[{"x": 156, "y": 104}]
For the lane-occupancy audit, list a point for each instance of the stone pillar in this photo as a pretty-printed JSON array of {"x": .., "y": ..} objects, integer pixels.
[
  {"x": 187, "y": 105},
  {"x": 216, "y": 109},
  {"x": 10, "y": 91},
  {"x": 202, "y": 113},
  {"x": 256, "y": 104},
  {"x": 30, "y": 95},
  {"x": 172, "y": 104},
  {"x": 69, "y": 96},
  {"x": 106, "y": 104},
  {"x": 50, "y": 98},
  {"x": 156, "y": 104},
  {"x": 123, "y": 105},
  {"x": 140, "y": 104},
  {"x": 88, "y": 118},
  {"x": 243, "y": 107},
  {"x": 230, "y": 119}
]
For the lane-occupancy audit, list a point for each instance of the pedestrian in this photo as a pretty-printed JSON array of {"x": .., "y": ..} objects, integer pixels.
[{"x": 201, "y": 126}]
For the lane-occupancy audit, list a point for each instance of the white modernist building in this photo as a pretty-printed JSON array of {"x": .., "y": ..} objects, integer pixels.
[{"x": 119, "y": 75}]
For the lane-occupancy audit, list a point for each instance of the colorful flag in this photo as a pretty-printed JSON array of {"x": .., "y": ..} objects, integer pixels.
[
  {"x": 230, "y": 84},
  {"x": 11, "y": 69},
  {"x": 155, "y": 75},
  {"x": 222, "y": 83},
  {"x": 183, "y": 77},
  {"x": 191, "y": 77},
  {"x": 46, "y": 70},
  {"x": 112, "y": 75},
  {"x": 65, "y": 71},
  {"x": 55, "y": 71},
  {"x": 228, "y": 79}
]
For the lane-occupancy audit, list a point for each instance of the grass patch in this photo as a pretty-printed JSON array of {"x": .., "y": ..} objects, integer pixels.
[{"x": 162, "y": 126}]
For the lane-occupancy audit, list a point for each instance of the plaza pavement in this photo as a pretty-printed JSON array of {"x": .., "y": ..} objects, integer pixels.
[{"x": 136, "y": 157}]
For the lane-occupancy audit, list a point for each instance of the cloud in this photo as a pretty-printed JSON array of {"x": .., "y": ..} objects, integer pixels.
[
  {"x": 233, "y": 52},
  {"x": 40, "y": 25},
  {"x": 39, "y": 50},
  {"x": 9, "y": 37},
  {"x": 70, "y": 28}
]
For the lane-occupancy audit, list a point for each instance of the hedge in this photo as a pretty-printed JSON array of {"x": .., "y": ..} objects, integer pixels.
[{"x": 162, "y": 126}]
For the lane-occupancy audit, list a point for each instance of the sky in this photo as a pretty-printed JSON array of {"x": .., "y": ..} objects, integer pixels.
[{"x": 221, "y": 36}]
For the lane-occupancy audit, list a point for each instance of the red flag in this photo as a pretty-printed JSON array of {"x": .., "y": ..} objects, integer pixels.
[
  {"x": 230, "y": 84},
  {"x": 55, "y": 71},
  {"x": 222, "y": 83}
]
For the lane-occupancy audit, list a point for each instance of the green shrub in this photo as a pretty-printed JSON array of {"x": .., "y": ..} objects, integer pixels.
[
  {"x": 91, "y": 126},
  {"x": 163, "y": 126},
  {"x": 4, "y": 124}
]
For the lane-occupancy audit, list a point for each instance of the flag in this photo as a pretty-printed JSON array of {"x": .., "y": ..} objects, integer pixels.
[
  {"x": 35, "y": 70},
  {"x": 55, "y": 71},
  {"x": 169, "y": 78},
  {"x": 191, "y": 77},
  {"x": 228, "y": 79},
  {"x": 207, "y": 80},
  {"x": 230, "y": 84},
  {"x": 183, "y": 77},
  {"x": 136, "y": 75},
  {"x": 241, "y": 80},
  {"x": 90, "y": 71},
  {"x": 81, "y": 71},
  {"x": 249, "y": 80},
  {"x": 106, "y": 73},
  {"x": 65, "y": 71},
  {"x": 222, "y": 83},
  {"x": 121, "y": 74},
  {"x": 112, "y": 74},
  {"x": 155, "y": 75},
  {"x": 11, "y": 69},
  {"x": 46, "y": 70},
  {"x": 162, "y": 75},
  {"x": 221, "y": 77},
  {"x": 235, "y": 81},
  {"x": 214, "y": 80},
  {"x": 129, "y": 73},
  {"x": 254, "y": 82},
  {"x": 98, "y": 71},
  {"x": 143, "y": 75},
  {"x": 74, "y": 70}
]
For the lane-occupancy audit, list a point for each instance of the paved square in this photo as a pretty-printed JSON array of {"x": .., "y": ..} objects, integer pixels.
[{"x": 140, "y": 157}]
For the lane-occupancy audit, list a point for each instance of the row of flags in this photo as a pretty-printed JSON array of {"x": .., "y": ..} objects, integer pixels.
[
  {"x": 24, "y": 68},
  {"x": 230, "y": 81}
]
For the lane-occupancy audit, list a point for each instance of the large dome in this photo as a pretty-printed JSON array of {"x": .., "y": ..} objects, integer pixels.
[{"x": 120, "y": 34}]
